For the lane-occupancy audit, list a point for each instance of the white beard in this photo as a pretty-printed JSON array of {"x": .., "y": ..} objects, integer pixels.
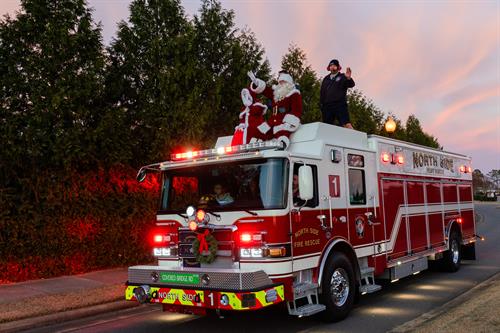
[{"x": 280, "y": 91}]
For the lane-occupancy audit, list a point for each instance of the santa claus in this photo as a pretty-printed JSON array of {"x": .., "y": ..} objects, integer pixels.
[
  {"x": 252, "y": 125},
  {"x": 287, "y": 105}
]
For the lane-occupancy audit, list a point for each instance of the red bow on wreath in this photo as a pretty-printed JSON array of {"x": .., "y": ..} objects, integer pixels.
[{"x": 203, "y": 241}]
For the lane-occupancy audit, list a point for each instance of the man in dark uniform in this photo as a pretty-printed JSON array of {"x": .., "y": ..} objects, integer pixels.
[{"x": 333, "y": 99}]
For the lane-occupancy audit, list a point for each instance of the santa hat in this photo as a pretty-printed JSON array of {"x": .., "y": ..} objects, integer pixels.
[{"x": 284, "y": 76}]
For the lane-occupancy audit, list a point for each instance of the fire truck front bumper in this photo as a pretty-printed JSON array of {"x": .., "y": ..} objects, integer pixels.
[{"x": 200, "y": 288}]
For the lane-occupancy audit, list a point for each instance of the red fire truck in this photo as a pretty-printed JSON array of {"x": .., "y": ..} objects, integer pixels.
[{"x": 246, "y": 227}]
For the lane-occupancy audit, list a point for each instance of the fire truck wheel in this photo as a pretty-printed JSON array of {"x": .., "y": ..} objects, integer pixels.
[
  {"x": 337, "y": 287},
  {"x": 453, "y": 257}
]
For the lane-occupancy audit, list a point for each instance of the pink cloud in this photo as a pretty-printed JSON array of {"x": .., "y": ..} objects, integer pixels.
[{"x": 463, "y": 103}]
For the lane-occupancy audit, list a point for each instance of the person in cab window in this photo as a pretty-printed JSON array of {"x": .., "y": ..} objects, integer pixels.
[
  {"x": 222, "y": 197},
  {"x": 297, "y": 201},
  {"x": 250, "y": 194}
]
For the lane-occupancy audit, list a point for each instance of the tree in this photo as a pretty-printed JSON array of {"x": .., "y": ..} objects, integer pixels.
[
  {"x": 365, "y": 116},
  {"x": 295, "y": 63},
  {"x": 150, "y": 71},
  {"x": 223, "y": 66},
  {"x": 51, "y": 69},
  {"x": 479, "y": 181},
  {"x": 415, "y": 133},
  {"x": 176, "y": 80},
  {"x": 494, "y": 176}
]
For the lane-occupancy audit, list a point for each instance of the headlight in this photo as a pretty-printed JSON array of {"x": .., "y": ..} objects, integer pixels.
[
  {"x": 162, "y": 252},
  {"x": 245, "y": 253},
  {"x": 255, "y": 252}
]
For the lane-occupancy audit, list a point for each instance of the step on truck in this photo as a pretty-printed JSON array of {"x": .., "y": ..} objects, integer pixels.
[{"x": 241, "y": 228}]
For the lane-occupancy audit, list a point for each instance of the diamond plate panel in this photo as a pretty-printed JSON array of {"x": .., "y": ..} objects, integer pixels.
[{"x": 218, "y": 280}]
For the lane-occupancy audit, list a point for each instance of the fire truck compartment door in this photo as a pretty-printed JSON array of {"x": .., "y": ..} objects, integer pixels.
[{"x": 366, "y": 232}]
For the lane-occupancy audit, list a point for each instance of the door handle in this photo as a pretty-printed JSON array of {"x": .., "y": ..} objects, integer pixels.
[
  {"x": 321, "y": 219},
  {"x": 369, "y": 216}
]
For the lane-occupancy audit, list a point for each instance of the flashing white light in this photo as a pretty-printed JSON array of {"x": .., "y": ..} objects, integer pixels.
[
  {"x": 399, "y": 263},
  {"x": 220, "y": 150},
  {"x": 395, "y": 280},
  {"x": 190, "y": 211},
  {"x": 415, "y": 273}
]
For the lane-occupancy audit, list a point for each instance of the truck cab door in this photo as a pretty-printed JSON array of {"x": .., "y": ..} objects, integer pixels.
[{"x": 306, "y": 218}]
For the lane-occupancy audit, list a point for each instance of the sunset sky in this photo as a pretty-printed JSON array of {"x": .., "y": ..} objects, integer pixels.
[{"x": 439, "y": 60}]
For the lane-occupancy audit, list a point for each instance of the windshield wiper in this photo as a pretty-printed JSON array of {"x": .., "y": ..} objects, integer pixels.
[
  {"x": 217, "y": 216},
  {"x": 251, "y": 213}
]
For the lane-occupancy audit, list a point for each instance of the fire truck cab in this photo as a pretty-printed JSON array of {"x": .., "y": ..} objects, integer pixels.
[{"x": 245, "y": 227}]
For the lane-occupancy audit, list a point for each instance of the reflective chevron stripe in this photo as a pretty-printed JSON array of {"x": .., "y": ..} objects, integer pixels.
[
  {"x": 170, "y": 296},
  {"x": 213, "y": 299}
]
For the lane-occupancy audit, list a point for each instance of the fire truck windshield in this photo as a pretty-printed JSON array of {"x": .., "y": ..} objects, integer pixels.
[{"x": 242, "y": 185}]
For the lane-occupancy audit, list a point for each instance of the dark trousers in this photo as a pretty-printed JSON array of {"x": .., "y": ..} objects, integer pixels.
[{"x": 337, "y": 111}]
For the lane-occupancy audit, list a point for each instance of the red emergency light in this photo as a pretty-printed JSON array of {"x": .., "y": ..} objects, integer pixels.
[
  {"x": 221, "y": 151},
  {"x": 400, "y": 159},
  {"x": 386, "y": 157},
  {"x": 158, "y": 238},
  {"x": 246, "y": 238}
]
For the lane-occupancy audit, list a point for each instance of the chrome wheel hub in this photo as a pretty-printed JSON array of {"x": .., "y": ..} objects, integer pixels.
[
  {"x": 455, "y": 251},
  {"x": 339, "y": 287}
]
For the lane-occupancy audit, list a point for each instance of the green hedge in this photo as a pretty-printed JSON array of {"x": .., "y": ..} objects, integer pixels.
[{"x": 75, "y": 223}]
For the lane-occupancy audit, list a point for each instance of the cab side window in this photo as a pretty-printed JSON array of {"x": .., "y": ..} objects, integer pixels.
[
  {"x": 357, "y": 185},
  {"x": 297, "y": 202}
]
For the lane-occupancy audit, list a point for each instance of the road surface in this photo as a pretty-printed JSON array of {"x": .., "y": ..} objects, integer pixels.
[{"x": 395, "y": 304}]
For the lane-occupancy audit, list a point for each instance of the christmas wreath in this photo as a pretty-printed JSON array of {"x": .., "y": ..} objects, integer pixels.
[{"x": 205, "y": 247}]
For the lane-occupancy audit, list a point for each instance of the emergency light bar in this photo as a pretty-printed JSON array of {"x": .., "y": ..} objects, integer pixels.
[{"x": 221, "y": 151}]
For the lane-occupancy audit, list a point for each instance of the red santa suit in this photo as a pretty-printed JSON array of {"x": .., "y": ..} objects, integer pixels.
[
  {"x": 287, "y": 106},
  {"x": 252, "y": 123}
]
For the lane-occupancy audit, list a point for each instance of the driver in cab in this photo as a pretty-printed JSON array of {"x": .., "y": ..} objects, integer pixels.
[{"x": 220, "y": 196}]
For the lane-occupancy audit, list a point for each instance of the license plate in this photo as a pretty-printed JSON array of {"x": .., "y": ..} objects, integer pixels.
[{"x": 179, "y": 278}]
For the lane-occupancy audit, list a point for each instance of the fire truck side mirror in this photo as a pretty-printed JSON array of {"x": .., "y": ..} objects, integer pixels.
[
  {"x": 141, "y": 175},
  {"x": 306, "y": 186}
]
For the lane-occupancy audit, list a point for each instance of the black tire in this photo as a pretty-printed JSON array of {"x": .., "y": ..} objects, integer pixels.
[
  {"x": 337, "y": 308},
  {"x": 453, "y": 256}
]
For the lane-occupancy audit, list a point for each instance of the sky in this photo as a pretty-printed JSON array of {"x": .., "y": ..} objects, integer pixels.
[{"x": 439, "y": 60}]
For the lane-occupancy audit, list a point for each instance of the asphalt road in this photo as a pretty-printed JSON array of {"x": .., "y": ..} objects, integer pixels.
[{"x": 395, "y": 304}]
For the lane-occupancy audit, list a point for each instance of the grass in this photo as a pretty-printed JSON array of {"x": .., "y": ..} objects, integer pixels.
[
  {"x": 480, "y": 313},
  {"x": 43, "y": 305}
]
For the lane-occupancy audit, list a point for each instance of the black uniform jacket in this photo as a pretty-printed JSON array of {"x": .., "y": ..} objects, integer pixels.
[{"x": 333, "y": 92}]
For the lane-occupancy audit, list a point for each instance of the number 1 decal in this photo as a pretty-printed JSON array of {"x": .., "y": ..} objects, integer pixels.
[
  {"x": 334, "y": 181},
  {"x": 211, "y": 297}
]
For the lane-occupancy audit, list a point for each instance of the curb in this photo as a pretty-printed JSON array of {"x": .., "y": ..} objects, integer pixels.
[
  {"x": 58, "y": 317},
  {"x": 457, "y": 301}
]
